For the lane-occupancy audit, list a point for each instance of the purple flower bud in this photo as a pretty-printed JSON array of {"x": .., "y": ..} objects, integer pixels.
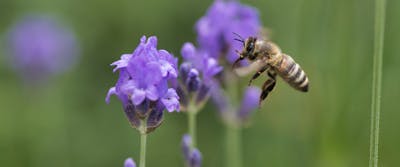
[
  {"x": 129, "y": 163},
  {"x": 40, "y": 47},
  {"x": 193, "y": 80},
  {"x": 192, "y": 155},
  {"x": 249, "y": 102},
  {"x": 186, "y": 144},
  {"x": 184, "y": 70},
  {"x": 195, "y": 158}
]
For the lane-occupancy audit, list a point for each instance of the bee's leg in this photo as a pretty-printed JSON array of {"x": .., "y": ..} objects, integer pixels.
[
  {"x": 256, "y": 75},
  {"x": 268, "y": 86}
]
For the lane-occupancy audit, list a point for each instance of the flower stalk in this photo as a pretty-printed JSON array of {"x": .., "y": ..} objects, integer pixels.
[
  {"x": 233, "y": 146},
  {"x": 376, "y": 81},
  {"x": 143, "y": 141},
  {"x": 192, "y": 114}
]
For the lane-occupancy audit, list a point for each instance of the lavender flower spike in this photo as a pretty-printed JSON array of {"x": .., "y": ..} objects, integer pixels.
[
  {"x": 196, "y": 73},
  {"x": 40, "y": 46},
  {"x": 192, "y": 155},
  {"x": 129, "y": 163},
  {"x": 215, "y": 29},
  {"x": 143, "y": 83}
]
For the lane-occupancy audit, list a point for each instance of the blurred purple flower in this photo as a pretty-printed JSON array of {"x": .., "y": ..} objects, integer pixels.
[
  {"x": 196, "y": 73},
  {"x": 215, "y": 29},
  {"x": 143, "y": 83},
  {"x": 231, "y": 113},
  {"x": 249, "y": 103},
  {"x": 192, "y": 155},
  {"x": 129, "y": 163},
  {"x": 40, "y": 46}
]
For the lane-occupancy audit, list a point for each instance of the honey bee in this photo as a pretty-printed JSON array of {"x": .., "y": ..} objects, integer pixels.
[{"x": 266, "y": 56}]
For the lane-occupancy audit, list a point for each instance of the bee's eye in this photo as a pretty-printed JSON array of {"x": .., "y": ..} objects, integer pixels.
[{"x": 250, "y": 47}]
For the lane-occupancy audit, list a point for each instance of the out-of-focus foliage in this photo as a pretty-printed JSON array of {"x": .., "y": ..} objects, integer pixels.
[{"x": 67, "y": 123}]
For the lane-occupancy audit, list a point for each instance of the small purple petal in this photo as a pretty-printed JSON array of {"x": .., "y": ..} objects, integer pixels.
[
  {"x": 111, "y": 91},
  {"x": 129, "y": 163},
  {"x": 171, "y": 100},
  {"x": 138, "y": 96},
  {"x": 162, "y": 88},
  {"x": 122, "y": 63},
  {"x": 128, "y": 87},
  {"x": 168, "y": 69},
  {"x": 152, "y": 42},
  {"x": 151, "y": 92}
]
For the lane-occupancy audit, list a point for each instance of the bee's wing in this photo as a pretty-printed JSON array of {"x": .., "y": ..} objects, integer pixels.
[
  {"x": 254, "y": 66},
  {"x": 264, "y": 33}
]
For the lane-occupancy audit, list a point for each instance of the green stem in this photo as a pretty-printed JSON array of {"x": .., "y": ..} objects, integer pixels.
[
  {"x": 376, "y": 81},
  {"x": 143, "y": 140},
  {"x": 233, "y": 146},
  {"x": 192, "y": 126}
]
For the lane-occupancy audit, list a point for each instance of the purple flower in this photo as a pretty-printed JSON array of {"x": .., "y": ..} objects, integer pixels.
[
  {"x": 143, "y": 83},
  {"x": 192, "y": 155},
  {"x": 201, "y": 60},
  {"x": 40, "y": 47},
  {"x": 129, "y": 163},
  {"x": 215, "y": 29},
  {"x": 196, "y": 73}
]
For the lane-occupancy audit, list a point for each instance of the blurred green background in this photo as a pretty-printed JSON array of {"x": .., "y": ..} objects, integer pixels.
[{"x": 67, "y": 123}]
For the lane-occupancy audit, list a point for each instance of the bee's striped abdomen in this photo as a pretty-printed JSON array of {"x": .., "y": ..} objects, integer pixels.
[{"x": 292, "y": 73}]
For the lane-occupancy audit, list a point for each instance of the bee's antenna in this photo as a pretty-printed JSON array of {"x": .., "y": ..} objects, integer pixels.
[
  {"x": 237, "y": 52},
  {"x": 240, "y": 38}
]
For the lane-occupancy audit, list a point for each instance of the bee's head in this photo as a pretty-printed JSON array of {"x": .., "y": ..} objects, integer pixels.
[{"x": 248, "y": 50}]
